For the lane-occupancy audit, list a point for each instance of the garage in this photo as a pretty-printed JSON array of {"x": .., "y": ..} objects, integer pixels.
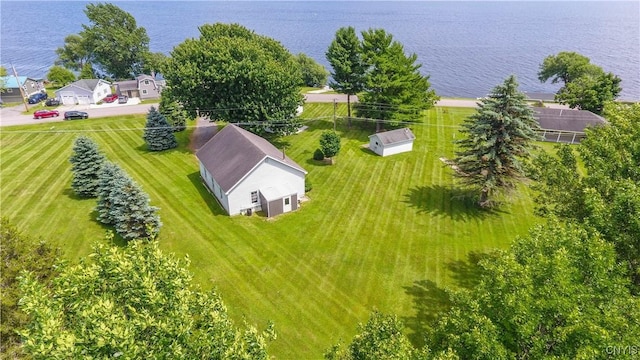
[
  {"x": 83, "y": 99},
  {"x": 67, "y": 98}
]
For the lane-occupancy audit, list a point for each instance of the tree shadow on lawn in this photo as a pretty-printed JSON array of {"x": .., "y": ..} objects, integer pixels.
[
  {"x": 431, "y": 301},
  {"x": 209, "y": 198},
  {"x": 456, "y": 203}
]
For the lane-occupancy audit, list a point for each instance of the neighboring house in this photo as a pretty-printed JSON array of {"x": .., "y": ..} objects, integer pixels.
[
  {"x": 565, "y": 125},
  {"x": 12, "y": 86},
  {"x": 246, "y": 173},
  {"x": 392, "y": 142},
  {"x": 143, "y": 87},
  {"x": 84, "y": 91}
]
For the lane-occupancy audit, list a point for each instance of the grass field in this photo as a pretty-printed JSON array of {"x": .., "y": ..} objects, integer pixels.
[{"x": 377, "y": 233}]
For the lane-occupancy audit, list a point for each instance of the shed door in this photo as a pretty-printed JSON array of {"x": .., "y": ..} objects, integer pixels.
[{"x": 286, "y": 205}]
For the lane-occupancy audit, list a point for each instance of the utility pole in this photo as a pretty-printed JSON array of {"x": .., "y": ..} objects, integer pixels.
[
  {"x": 24, "y": 101},
  {"x": 335, "y": 108}
]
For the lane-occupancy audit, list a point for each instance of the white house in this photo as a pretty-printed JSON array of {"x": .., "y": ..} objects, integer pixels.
[
  {"x": 392, "y": 142},
  {"x": 84, "y": 91},
  {"x": 247, "y": 173}
]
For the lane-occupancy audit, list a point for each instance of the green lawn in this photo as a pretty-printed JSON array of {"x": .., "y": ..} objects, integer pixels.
[{"x": 377, "y": 233}]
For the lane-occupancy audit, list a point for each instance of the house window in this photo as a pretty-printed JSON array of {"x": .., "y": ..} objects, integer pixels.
[
  {"x": 9, "y": 90},
  {"x": 146, "y": 82},
  {"x": 144, "y": 91},
  {"x": 286, "y": 201},
  {"x": 254, "y": 197}
]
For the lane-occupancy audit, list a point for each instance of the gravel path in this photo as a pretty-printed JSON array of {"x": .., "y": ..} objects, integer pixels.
[{"x": 203, "y": 132}]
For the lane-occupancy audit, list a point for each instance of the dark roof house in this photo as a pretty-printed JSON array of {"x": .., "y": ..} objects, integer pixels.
[
  {"x": 565, "y": 125},
  {"x": 245, "y": 173}
]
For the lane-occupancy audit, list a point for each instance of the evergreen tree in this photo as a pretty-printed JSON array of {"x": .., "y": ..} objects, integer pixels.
[
  {"x": 133, "y": 217},
  {"x": 86, "y": 164},
  {"x": 394, "y": 89},
  {"x": 496, "y": 138},
  {"x": 158, "y": 134},
  {"x": 107, "y": 180},
  {"x": 175, "y": 113},
  {"x": 346, "y": 60}
]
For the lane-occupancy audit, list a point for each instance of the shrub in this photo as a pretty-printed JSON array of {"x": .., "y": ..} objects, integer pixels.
[{"x": 318, "y": 155}]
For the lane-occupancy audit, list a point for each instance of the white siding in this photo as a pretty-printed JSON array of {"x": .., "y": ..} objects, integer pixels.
[
  {"x": 397, "y": 148},
  {"x": 214, "y": 188},
  {"x": 102, "y": 89},
  {"x": 266, "y": 174}
]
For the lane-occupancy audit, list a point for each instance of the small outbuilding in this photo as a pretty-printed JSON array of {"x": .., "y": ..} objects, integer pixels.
[
  {"x": 246, "y": 173},
  {"x": 392, "y": 142}
]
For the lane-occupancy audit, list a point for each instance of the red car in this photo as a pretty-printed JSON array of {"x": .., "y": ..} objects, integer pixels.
[
  {"x": 110, "y": 98},
  {"x": 45, "y": 114}
]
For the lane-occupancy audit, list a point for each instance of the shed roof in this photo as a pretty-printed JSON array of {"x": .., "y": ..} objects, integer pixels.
[
  {"x": 395, "y": 136},
  {"x": 566, "y": 119},
  {"x": 233, "y": 152}
]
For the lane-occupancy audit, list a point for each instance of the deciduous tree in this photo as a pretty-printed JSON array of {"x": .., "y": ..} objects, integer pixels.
[
  {"x": 394, "y": 89},
  {"x": 158, "y": 134},
  {"x": 112, "y": 43},
  {"x": 60, "y": 76},
  {"x": 604, "y": 192},
  {"x": 87, "y": 161},
  {"x": 313, "y": 74},
  {"x": 232, "y": 74},
  {"x": 496, "y": 140},
  {"x": 586, "y": 86},
  {"x": 345, "y": 58},
  {"x": 19, "y": 253},
  {"x": 173, "y": 111},
  {"x": 133, "y": 302},
  {"x": 550, "y": 296}
]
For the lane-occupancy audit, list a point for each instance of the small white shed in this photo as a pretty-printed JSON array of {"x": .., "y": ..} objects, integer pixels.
[{"x": 392, "y": 142}]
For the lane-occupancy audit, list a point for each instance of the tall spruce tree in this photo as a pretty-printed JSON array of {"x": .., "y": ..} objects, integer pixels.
[
  {"x": 133, "y": 217},
  {"x": 108, "y": 178},
  {"x": 394, "y": 89},
  {"x": 496, "y": 139},
  {"x": 346, "y": 61},
  {"x": 158, "y": 133},
  {"x": 86, "y": 164}
]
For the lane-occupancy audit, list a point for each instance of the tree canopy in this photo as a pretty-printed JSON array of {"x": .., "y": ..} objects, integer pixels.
[
  {"x": 134, "y": 302},
  {"x": 345, "y": 58},
  {"x": 313, "y": 74},
  {"x": 394, "y": 89},
  {"x": 19, "y": 253},
  {"x": 495, "y": 141},
  {"x": 112, "y": 43},
  {"x": 60, "y": 76},
  {"x": 604, "y": 191},
  {"x": 329, "y": 143},
  {"x": 232, "y": 74},
  {"x": 586, "y": 86}
]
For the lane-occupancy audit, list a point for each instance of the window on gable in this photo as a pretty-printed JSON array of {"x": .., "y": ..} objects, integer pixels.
[
  {"x": 146, "y": 82},
  {"x": 254, "y": 197},
  {"x": 144, "y": 91}
]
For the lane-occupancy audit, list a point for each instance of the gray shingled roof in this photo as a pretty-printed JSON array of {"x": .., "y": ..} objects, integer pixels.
[
  {"x": 395, "y": 136},
  {"x": 566, "y": 120},
  {"x": 233, "y": 152},
  {"x": 127, "y": 85}
]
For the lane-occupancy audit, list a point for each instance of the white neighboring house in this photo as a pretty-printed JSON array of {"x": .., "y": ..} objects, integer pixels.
[
  {"x": 392, "y": 142},
  {"x": 84, "y": 91},
  {"x": 247, "y": 173}
]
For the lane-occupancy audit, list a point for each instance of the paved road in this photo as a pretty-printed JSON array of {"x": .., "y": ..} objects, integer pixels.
[{"x": 12, "y": 116}]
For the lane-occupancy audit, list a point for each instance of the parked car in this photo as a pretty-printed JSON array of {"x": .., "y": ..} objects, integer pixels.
[
  {"x": 122, "y": 99},
  {"x": 70, "y": 115},
  {"x": 52, "y": 102},
  {"x": 45, "y": 114},
  {"x": 37, "y": 97},
  {"x": 110, "y": 98}
]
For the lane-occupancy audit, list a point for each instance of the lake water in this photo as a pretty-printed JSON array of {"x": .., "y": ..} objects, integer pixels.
[{"x": 466, "y": 47}]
